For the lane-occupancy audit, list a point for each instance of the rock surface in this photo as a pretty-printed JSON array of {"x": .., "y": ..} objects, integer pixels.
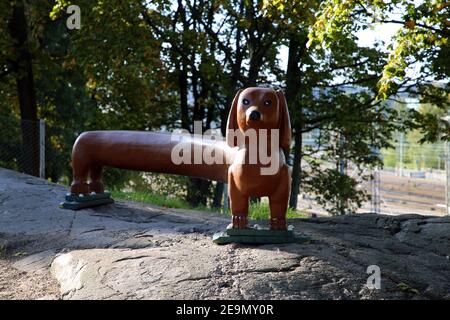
[{"x": 139, "y": 251}]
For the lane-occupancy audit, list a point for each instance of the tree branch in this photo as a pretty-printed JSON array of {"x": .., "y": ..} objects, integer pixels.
[
  {"x": 226, "y": 50},
  {"x": 356, "y": 64},
  {"x": 351, "y": 82},
  {"x": 442, "y": 32}
]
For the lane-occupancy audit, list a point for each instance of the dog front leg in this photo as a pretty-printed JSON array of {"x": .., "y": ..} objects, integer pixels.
[{"x": 238, "y": 204}]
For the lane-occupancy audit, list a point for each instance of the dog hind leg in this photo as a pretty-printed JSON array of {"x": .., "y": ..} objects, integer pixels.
[
  {"x": 80, "y": 172},
  {"x": 278, "y": 214},
  {"x": 278, "y": 203},
  {"x": 96, "y": 184}
]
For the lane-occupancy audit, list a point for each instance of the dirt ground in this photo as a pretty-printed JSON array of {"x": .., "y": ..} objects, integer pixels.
[{"x": 19, "y": 285}]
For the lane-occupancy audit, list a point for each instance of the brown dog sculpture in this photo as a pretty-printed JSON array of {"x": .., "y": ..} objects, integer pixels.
[{"x": 258, "y": 119}]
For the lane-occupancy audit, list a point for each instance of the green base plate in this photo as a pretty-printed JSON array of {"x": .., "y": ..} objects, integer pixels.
[
  {"x": 77, "y": 202},
  {"x": 258, "y": 235}
]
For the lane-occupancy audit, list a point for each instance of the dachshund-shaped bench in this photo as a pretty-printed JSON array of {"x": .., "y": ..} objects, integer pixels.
[{"x": 253, "y": 109}]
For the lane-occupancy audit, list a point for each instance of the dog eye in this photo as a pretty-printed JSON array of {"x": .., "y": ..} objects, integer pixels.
[
  {"x": 267, "y": 103},
  {"x": 246, "y": 102}
]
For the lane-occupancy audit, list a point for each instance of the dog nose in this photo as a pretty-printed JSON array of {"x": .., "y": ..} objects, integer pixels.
[{"x": 254, "y": 115}]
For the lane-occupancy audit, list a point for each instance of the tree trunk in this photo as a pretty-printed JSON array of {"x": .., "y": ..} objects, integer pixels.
[
  {"x": 26, "y": 92},
  {"x": 293, "y": 87},
  {"x": 183, "y": 87},
  {"x": 218, "y": 195},
  {"x": 198, "y": 192},
  {"x": 296, "y": 169}
]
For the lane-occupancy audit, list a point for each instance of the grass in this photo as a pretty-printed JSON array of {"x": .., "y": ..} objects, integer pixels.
[
  {"x": 261, "y": 211},
  {"x": 153, "y": 198},
  {"x": 407, "y": 288},
  {"x": 257, "y": 211}
]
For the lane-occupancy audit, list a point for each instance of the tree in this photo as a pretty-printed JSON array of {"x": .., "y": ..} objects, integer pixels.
[
  {"x": 331, "y": 92},
  {"x": 165, "y": 64},
  {"x": 209, "y": 43},
  {"x": 19, "y": 62},
  {"x": 421, "y": 41},
  {"x": 76, "y": 86}
]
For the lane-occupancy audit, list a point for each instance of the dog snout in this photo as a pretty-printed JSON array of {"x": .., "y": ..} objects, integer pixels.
[{"x": 254, "y": 115}]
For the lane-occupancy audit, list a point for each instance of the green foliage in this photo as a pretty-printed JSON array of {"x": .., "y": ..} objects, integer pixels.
[
  {"x": 120, "y": 61},
  {"x": 402, "y": 286},
  {"x": 167, "y": 185},
  {"x": 418, "y": 152},
  {"x": 423, "y": 35},
  {"x": 80, "y": 87},
  {"x": 359, "y": 125},
  {"x": 335, "y": 101},
  {"x": 121, "y": 179},
  {"x": 338, "y": 193},
  {"x": 416, "y": 155},
  {"x": 135, "y": 182},
  {"x": 10, "y": 140}
]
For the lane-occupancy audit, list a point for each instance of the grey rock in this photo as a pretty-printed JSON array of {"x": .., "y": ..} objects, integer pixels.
[{"x": 139, "y": 251}]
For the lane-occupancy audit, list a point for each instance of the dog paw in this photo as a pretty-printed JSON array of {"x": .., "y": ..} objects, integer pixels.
[
  {"x": 239, "y": 221},
  {"x": 79, "y": 188},
  {"x": 96, "y": 186},
  {"x": 278, "y": 224}
]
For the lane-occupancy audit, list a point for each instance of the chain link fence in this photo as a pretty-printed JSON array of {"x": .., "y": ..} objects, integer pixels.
[
  {"x": 34, "y": 148},
  {"x": 22, "y": 145}
]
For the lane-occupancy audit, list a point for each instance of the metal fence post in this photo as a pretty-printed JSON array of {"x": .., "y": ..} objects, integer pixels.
[
  {"x": 401, "y": 154},
  {"x": 375, "y": 203},
  {"x": 375, "y": 184},
  {"x": 447, "y": 177},
  {"x": 41, "y": 148}
]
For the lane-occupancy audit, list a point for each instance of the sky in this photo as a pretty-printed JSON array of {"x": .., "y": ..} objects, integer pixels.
[
  {"x": 366, "y": 38},
  {"x": 381, "y": 32}
]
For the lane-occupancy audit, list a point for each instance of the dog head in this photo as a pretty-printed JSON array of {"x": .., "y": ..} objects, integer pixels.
[{"x": 260, "y": 108}]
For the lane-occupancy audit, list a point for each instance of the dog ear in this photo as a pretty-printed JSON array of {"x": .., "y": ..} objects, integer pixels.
[
  {"x": 232, "y": 123},
  {"x": 284, "y": 122}
]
